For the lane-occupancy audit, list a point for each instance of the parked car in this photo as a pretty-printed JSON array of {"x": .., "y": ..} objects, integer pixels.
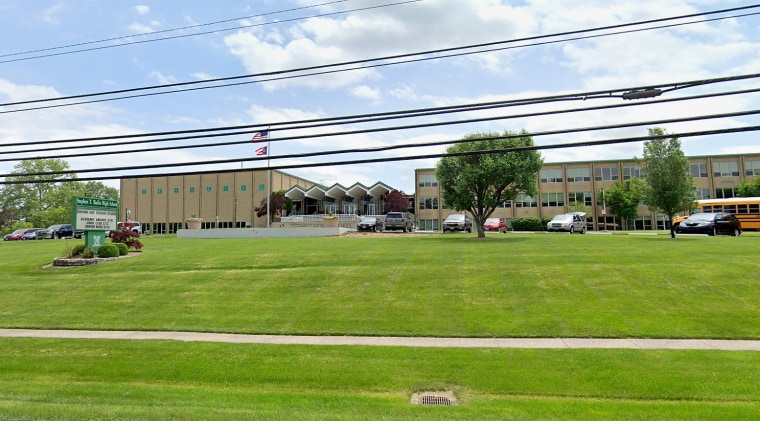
[
  {"x": 457, "y": 222},
  {"x": 399, "y": 221},
  {"x": 569, "y": 222},
  {"x": 495, "y": 224},
  {"x": 133, "y": 226},
  {"x": 57, "y": 231},
  {"x": 16, "y": 235},
  {"x": 370, "y": 223},
  {"x": 711, "y": 224},
  {"x": 30, "y": 234}
]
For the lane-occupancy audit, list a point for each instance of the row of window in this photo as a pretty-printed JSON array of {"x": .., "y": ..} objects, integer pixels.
[
  {"x": 720, "y": 169},
  {"x": 209, "y": 189},
  {"x": 611, "y": 173},
  {"x": 558, "y": 199}
]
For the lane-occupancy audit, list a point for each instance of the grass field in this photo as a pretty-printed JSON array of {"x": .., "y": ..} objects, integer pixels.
[{"x": 434, "y": 285}]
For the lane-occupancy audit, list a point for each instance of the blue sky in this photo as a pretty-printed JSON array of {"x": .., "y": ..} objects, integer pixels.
[{"x": 277, "y": 39}]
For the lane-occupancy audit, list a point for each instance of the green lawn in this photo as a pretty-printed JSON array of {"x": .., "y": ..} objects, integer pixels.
[{"x": 435, "y": 285}]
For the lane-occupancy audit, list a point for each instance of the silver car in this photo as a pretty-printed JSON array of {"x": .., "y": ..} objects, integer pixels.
[{"x": 568, "y": 222}]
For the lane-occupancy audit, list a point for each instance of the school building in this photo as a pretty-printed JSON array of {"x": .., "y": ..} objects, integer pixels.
[{"x": 227, "y": 199}]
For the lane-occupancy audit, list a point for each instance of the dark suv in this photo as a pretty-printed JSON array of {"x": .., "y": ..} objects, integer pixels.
[
  {"x": 457, "y": 222},
  {"x": 58, "y": 231},
  {"x": 398, "y": 221}
]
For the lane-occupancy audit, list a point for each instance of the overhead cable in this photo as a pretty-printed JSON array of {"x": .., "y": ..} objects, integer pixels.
[{"x": 394, "y": 58}]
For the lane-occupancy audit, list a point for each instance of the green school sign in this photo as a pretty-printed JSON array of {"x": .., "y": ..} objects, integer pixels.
[{"x": 94, "y": 216}]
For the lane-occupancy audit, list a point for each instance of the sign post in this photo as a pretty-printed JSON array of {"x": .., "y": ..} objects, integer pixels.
[{"x": 94, "y": 217}]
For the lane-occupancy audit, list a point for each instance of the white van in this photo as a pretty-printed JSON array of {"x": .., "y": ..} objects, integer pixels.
[{"x": 569, "y": 222}]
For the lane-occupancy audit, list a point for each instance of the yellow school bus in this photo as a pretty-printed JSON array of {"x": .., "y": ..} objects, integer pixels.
[{"x": 746, "y": 210}]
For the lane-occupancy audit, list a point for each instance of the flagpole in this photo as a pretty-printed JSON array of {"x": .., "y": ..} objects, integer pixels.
[{"x": 269, "y": 176}]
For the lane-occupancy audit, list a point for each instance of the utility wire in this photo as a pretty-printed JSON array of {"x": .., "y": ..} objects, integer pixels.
[
  {"x": 372, "y": 160},
  {"x": 356, "y": 62},
  {"x": 207, "y": 32},
  {"x": 406, "y": 146},
  {"x": 163, "y": 31},
  {"x": 381, "y": 129},
  {"x": 362, "y": 118}
]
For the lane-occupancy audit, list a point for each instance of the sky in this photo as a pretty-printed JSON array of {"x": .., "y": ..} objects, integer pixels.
[{"x": 40, "y": 59}]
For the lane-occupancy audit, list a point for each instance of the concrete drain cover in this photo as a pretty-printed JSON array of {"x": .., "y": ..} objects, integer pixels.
[{"x": 434, "y": 398}]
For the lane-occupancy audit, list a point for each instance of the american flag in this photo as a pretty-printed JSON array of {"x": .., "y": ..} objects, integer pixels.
[
  {"x": 262, "y": 151},
  {"x": 258, "y": 136}
]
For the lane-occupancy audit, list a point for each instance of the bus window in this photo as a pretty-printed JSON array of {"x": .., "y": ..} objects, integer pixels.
[
  {"x": 754, "y": 208},
  {"x": 741, "y": 209},
  {"x": 729, "y": 208}
]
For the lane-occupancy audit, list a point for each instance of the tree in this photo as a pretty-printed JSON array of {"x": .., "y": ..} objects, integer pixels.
[
  {"x": 670, "y": 186},
  {"x": 43, "y": 201},
  {"x": 751, "y": 189},
  {"x": 623, "y": 198},
  {"x": 278, "y": 204},
  {"x": 480, "y": 182},
  {"x": 395, "y": 201}
]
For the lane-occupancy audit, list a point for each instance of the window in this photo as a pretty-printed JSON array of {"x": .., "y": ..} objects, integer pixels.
[
  {"x": 702, "y": 194},
  {"x": 226, "y": 188},
  {"x": 428, "y": 224},
  {"x": 752, "y": 168},
  {"x": 578, "y": 174},
  {"x": 606, "y": 173},
  {"x": 583, "y": 197},
  {"x": 176, "y": 190},
  {"x": 727, "y": 193},
  {"x": 552, "y": 199},
  {"x": 160, "y": 191},
  {"x": 633, "y": 171},
  {"x": 144, "y": 191},
  {"x": 552, "y": 175},
  {"x": 505, "y": 204},
  {"x": 726, "y": 169},
  {"x": 242, "y": 187},
  {"x": 428, "y": 203},
  {"x": 192, "y": 189},
  {"x": 698, "y": 170},
  {"x": 525, "y": 201},
  {"x": 428, "y": 180},
  {"x": 208, "y": 189}
]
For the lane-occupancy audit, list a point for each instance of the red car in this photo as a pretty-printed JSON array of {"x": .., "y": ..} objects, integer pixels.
[
  {"x": 16, "y": 235},
  {"x": 495, "y": 224}
]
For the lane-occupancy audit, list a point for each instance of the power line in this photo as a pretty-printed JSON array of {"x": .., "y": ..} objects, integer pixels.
[
  {"x": 376, "y": 160},
  {"x": 395, "y": 59},
  {"x": 190, "y": 35},
  {"x": 363, "y": 118},
  {"x": 406, "y": 146}
]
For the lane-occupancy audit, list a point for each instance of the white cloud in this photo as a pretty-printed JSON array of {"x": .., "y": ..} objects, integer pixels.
[
  {"x": 141, "y": 28},
  {"x": 365, "y": 92},
  {"x": 50, "y": 15},
  {"x": 161, "y": 78},
  {"x": 142, "y": 9}
]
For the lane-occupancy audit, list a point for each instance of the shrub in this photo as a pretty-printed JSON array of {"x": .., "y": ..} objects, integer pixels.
[
  {"x": 88, "y": 253},
  {"x": 126, "y": 236},
  {"x": 108, "y": 250},
  {"x": 123, "y": 249},
  {"x": 76, "y": 250},
  {"x": 526, "y": 223}
]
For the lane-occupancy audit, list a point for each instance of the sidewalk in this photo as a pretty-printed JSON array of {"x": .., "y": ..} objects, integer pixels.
[{"x": 554, "y": 343}]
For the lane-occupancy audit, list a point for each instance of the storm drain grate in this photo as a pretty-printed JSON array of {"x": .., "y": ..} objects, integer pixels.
[{"x": 434, "y": 398}]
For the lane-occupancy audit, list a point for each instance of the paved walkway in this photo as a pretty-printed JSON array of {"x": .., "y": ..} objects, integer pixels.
[{"x": 567, "y": 343}]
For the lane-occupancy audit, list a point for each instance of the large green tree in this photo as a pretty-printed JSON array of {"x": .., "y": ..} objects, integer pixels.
[
  {"x": 623, "y": 198},
  {"x": 670, "y": 186},
  {"x": 476, "y": 180},
  {"x": 45, "y": 199},
  {"x": 751, "y": 189}
]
